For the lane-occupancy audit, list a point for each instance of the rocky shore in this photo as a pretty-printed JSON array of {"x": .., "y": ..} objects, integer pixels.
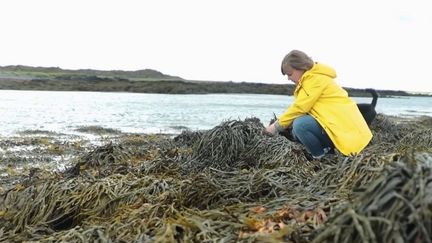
[{"x": 231, "y": 183}]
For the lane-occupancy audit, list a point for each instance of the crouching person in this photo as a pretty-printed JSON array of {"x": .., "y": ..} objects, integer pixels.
[{"x": 322, "y": 116}]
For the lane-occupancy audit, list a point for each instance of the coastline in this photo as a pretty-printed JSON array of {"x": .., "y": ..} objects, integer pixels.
[
  {"x": 20, "y": 77},
  {"x": 56, "y": 150},
  {"x": 157, "y": 86}
]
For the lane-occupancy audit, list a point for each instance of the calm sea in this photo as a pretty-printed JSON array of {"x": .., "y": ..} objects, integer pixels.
[{"x": 156, "y": 113}]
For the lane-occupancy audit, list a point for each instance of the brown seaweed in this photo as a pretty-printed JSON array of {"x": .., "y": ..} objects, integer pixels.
[{"x": 232, "y": 183}]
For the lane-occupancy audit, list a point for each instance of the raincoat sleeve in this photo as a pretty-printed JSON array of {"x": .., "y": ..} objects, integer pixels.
[{"x": 307, "y": 95}]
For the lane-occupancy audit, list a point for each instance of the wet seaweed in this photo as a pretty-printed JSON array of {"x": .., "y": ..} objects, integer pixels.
[
  {"x": 102, "y": 161},
  {"x": 395, "y": 207},
  {"x": 97, "y": 130},
  {"x": 188, "y": 138},
  {"x": 232, "y": 183},
  {"x": 222, "y": 146}
]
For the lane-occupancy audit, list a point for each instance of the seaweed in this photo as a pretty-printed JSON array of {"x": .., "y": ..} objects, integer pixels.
[{"x": 231, "y": 183}]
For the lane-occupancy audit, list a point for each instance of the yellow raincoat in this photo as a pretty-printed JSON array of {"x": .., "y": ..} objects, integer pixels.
[{"x": 318, "y": 95}]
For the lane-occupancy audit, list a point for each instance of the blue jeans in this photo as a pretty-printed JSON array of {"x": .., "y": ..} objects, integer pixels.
[{"x": 310, "y": 133}]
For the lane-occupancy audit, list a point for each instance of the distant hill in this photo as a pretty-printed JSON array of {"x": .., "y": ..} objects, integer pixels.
[
  {"x": 141, "y": 81},
  {"x": 27, "y": 72}
]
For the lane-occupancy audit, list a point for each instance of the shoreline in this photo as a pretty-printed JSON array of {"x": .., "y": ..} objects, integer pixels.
[
  {"x": 157, "y": 86},
  {"x": 56, "y": 151}
]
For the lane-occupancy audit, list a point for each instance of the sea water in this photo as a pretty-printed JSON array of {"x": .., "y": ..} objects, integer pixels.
[{"x": 64, "y": 112}]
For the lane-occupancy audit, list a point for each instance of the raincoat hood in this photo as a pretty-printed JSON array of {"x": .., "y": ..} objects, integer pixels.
[{"x": 321, "y": 69}]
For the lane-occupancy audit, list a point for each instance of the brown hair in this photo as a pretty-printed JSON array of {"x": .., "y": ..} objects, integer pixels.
[{"x": 297, "y": 60}]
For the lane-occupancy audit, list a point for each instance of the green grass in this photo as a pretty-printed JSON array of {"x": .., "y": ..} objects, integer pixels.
[{"x": 52, "y": 72}]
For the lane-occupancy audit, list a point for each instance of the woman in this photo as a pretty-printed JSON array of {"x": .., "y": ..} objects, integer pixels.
[{"x": 322, "y": 116}]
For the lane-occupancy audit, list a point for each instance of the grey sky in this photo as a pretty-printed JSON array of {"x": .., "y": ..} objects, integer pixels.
[{"x": 381, "y": 44}]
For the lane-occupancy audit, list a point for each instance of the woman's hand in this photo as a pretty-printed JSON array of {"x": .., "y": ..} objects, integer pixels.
[{"x": 271, "y": 129}]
